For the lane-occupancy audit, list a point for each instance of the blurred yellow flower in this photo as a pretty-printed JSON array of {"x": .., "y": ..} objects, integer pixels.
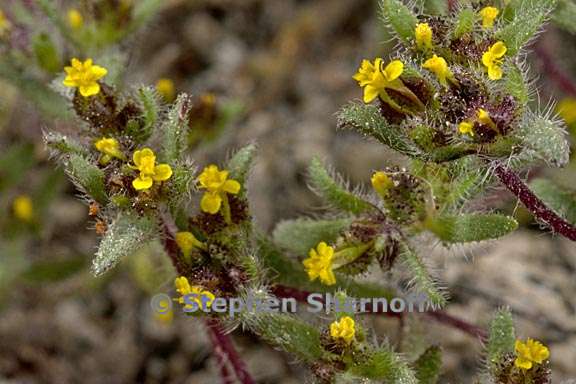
[
  {"x": 217, "y": 185},
  {"x": 440, "y": 68},
  {"x": 145, "y": 162},
  {"x": 375, "y": 80},
  {"x": 184, "y": 288},
  {"x": 381, "y": 183},
  {"x": 110, "y": 147},
  {"x": 166, "y": 89},
  {"x": 187, "y": 242},
  {"x": 485, "y": 119},
  {"x": 23, "y": 208},
  {"x": 492, "y": 60},
  {"x": 319, "y": 264},
  {"x": 344, "y": 329},
  {"x": 567, "y": 110},
  {"x": 423, "y": 34},
  {"x": 5, "y": 24},
  {"x": 488, "y": 14},
  {"x": 75, "y": 18},
  {"x": 84, "y": 76},
  {"x": 529, "y": 353},
  {"x": 466, "y": 128}
]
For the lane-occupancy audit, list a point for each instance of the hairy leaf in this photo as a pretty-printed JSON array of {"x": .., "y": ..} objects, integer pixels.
[
  {"x": 240, "y": 163},
  {"x": 471, "y": 227},
  {"x": 87, "y": 177},
  {"x": 300, "y": 235},
  {"x": 174, "y": 130},
  {"x": 422, "y": 281},
  {"x": 399, "y": 18},
  {"x": 384, "y": 364},
  {"x": 501, "y": 337},
  {"x": 545, "y": 140},
  {"x": 428, "y": 366}
]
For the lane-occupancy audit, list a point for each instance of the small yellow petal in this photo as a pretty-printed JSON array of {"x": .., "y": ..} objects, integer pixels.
[
  {"x": 494, "y": 72},
  {"x": 393, "y": 70},
  {"x": 141, "y": 183},
  {"x": 90, "y": 89},
  {"x": 498, "y": 49},
  {"x": 162, "y": 172},
  {"x": 231, "y": 186},
  {"x": 211, "y": 203}
]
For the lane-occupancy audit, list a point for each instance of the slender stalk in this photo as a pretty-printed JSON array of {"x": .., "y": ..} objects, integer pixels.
[
  {"x": 224, "y": 343},
  {"x": 452, "y": 5},
  {"x": 222, "y": 360},
  {"x": 532, "y": 202}
]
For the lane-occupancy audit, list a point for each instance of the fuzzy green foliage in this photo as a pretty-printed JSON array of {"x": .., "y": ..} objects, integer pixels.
[
  {"x": 501, "y": 337},
  {"x": 181, "y": 184},
  {"x": 333, "y": 191},
  {"x": 241, "y": 162},
  {"x": 300, "y": 235},
  {"x": 150, "y": 104},
  {"x": 288, "y": 333},
  {"x": 565, "y": 14},
  {"x": 46, "y": 54},
  {"x": 87, "y": 177},
  {"x": 174, "y": 130},
  {"x": 367, "y": 120},
  {"x": 436, "y": 7},
  {"x": 517, "y": 85},
  {"x": 62, "y": 145},
  {"x": 465, "y": 22},
  {"x": 384, "y": 364},
  {"x": 543, "y": 140},
  {"x": 399, "y": 18},
  {"x": 529, "y": 16},
  {"x": 467, "y": 228},
  {"x": 428, "y": 365},
  {"x": 561, "y": 200},
  {"x": 125, "y": 235},
  {"x": 422, "y": 281}
]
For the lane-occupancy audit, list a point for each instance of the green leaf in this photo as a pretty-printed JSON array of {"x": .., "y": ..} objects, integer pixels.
[
  {"x": 560, "y": 200},
  {"x": 421, "y": 279},
  {"x": 181, "y": 184},
  {"x": 436, "y": 7},
  {"x": 428, "y": 366},
  {"x": 300, "y": 235},
  {"x": 471, "y": 227},
  {"x": 174, "y": 130},
  {"x": 150, "y": 104},
  {"x": 125, "y": 236},
  {"x": 384, "y": 364},
  {"x": 529, "y": 17},
  {"x": 501, "y": 337},
  {"x": 240, "y": 164},
  {"x": 62, "y": 145},
  {"x": 465, "y": 22},
  {"x": 400, "y": 19},
  {"x": 46, "y": 54},
  {"x": 333, "y": 191},
  {"x": 87, "y": 177},
  {"x": 516, "y": 84},
  {"x": 367, "y": 120},
  {"x": 544, "y": 140}
]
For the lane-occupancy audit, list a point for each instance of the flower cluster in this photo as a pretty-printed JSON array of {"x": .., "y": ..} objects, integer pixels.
[
  {"x": 196, "y": 293},
  {"x": 530, "y": 353},
  {"x": 217, "y": 186},
  {"x": 84, "y": 76},
  {"x": 145, "y": 162},
  {"x": 319, "y": 264},
  {"x": 492, "y": 60},
  {"x": 343, "y": 330}
]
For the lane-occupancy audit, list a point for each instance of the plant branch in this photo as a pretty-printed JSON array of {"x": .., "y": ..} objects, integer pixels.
[
  {"x": 452, "y": 5},
  {"x": 222, "y": 359},
  {"x": 532, "y": 202}
]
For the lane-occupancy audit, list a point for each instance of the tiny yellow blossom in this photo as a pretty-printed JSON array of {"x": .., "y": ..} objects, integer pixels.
[
  {"x": 184, "y": 288},
  {"x": 567, "y": 110},
  {"x": 345, "y": 329},
  {"x": 217, "y": 185},
  {"x": 319, "y": 264},
  {"x": 23, "y": 208},
  {"x": 440, "y": 68},
  {"x": 375, "y": 80},
  {"x": 485, "y": 119},
  {"x": 164, "y": 318},
  {"x": 529, "y": 353},
  {"x": 166, "y": 89},
  {"x": 187, "y": 242},
  {"x": 423, "y": 34},
  {"x": 5, "y": 24},
  {"x": 75, "y": 18},
  {"x": 488, "y": 14},
  {"x": 110, "y": 147},
  {"x": 466, "y": 128},
  {"x": 381, "y": 183},
  {"x": 492, "y": 60},
  {"x": 145, "y": 162},
  {"x": 84, "y": 76}
]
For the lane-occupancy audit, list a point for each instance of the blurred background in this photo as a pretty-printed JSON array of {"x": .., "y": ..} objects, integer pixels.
[{"x": 273, "y": 72}]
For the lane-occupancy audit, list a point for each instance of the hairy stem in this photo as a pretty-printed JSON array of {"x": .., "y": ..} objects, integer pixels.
[{"x": 532, "y": 202}]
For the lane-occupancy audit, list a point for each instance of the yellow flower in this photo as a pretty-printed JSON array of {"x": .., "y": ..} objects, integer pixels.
[
  {"x": 345, "y": 329},
  {"x": 184, "y": 288},
  {"x": 492, "y": 60},
  {"x": 440, "y": 68},
  {"x": 187, "y": 242},
  {"x": 319, "y": 264},
  {"x": 75, "y": 18},
  {"x": 485, "y": 119},
  {"x": 110, "y": 148},
  {"x": 488, "y": 14},
  {"x": 145, "y": 162},
  {"x": 217, "y": 185},
  {"x": 466, "y": 128},
  {"x": 23, "y": 208},
  {"x": 5, "y": 24},
  {"x": 423, "y": 34},
  {"x": 84, "y": 76},
  {"x": 381, "y": 183},
  {"x": 166, "y": 89},
  {"x": 375, "y": 80},
  {"x": 567, "y": 110},
  {"x": 529, "y": 353}
]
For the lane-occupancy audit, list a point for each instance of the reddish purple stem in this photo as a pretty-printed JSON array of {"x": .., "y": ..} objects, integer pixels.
[
  {"x": 222, "y": 359},
  {"x": 223, "y": 343},
  {"x": 532, "y": 202},
  {"x": 552, "y": 70}
]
